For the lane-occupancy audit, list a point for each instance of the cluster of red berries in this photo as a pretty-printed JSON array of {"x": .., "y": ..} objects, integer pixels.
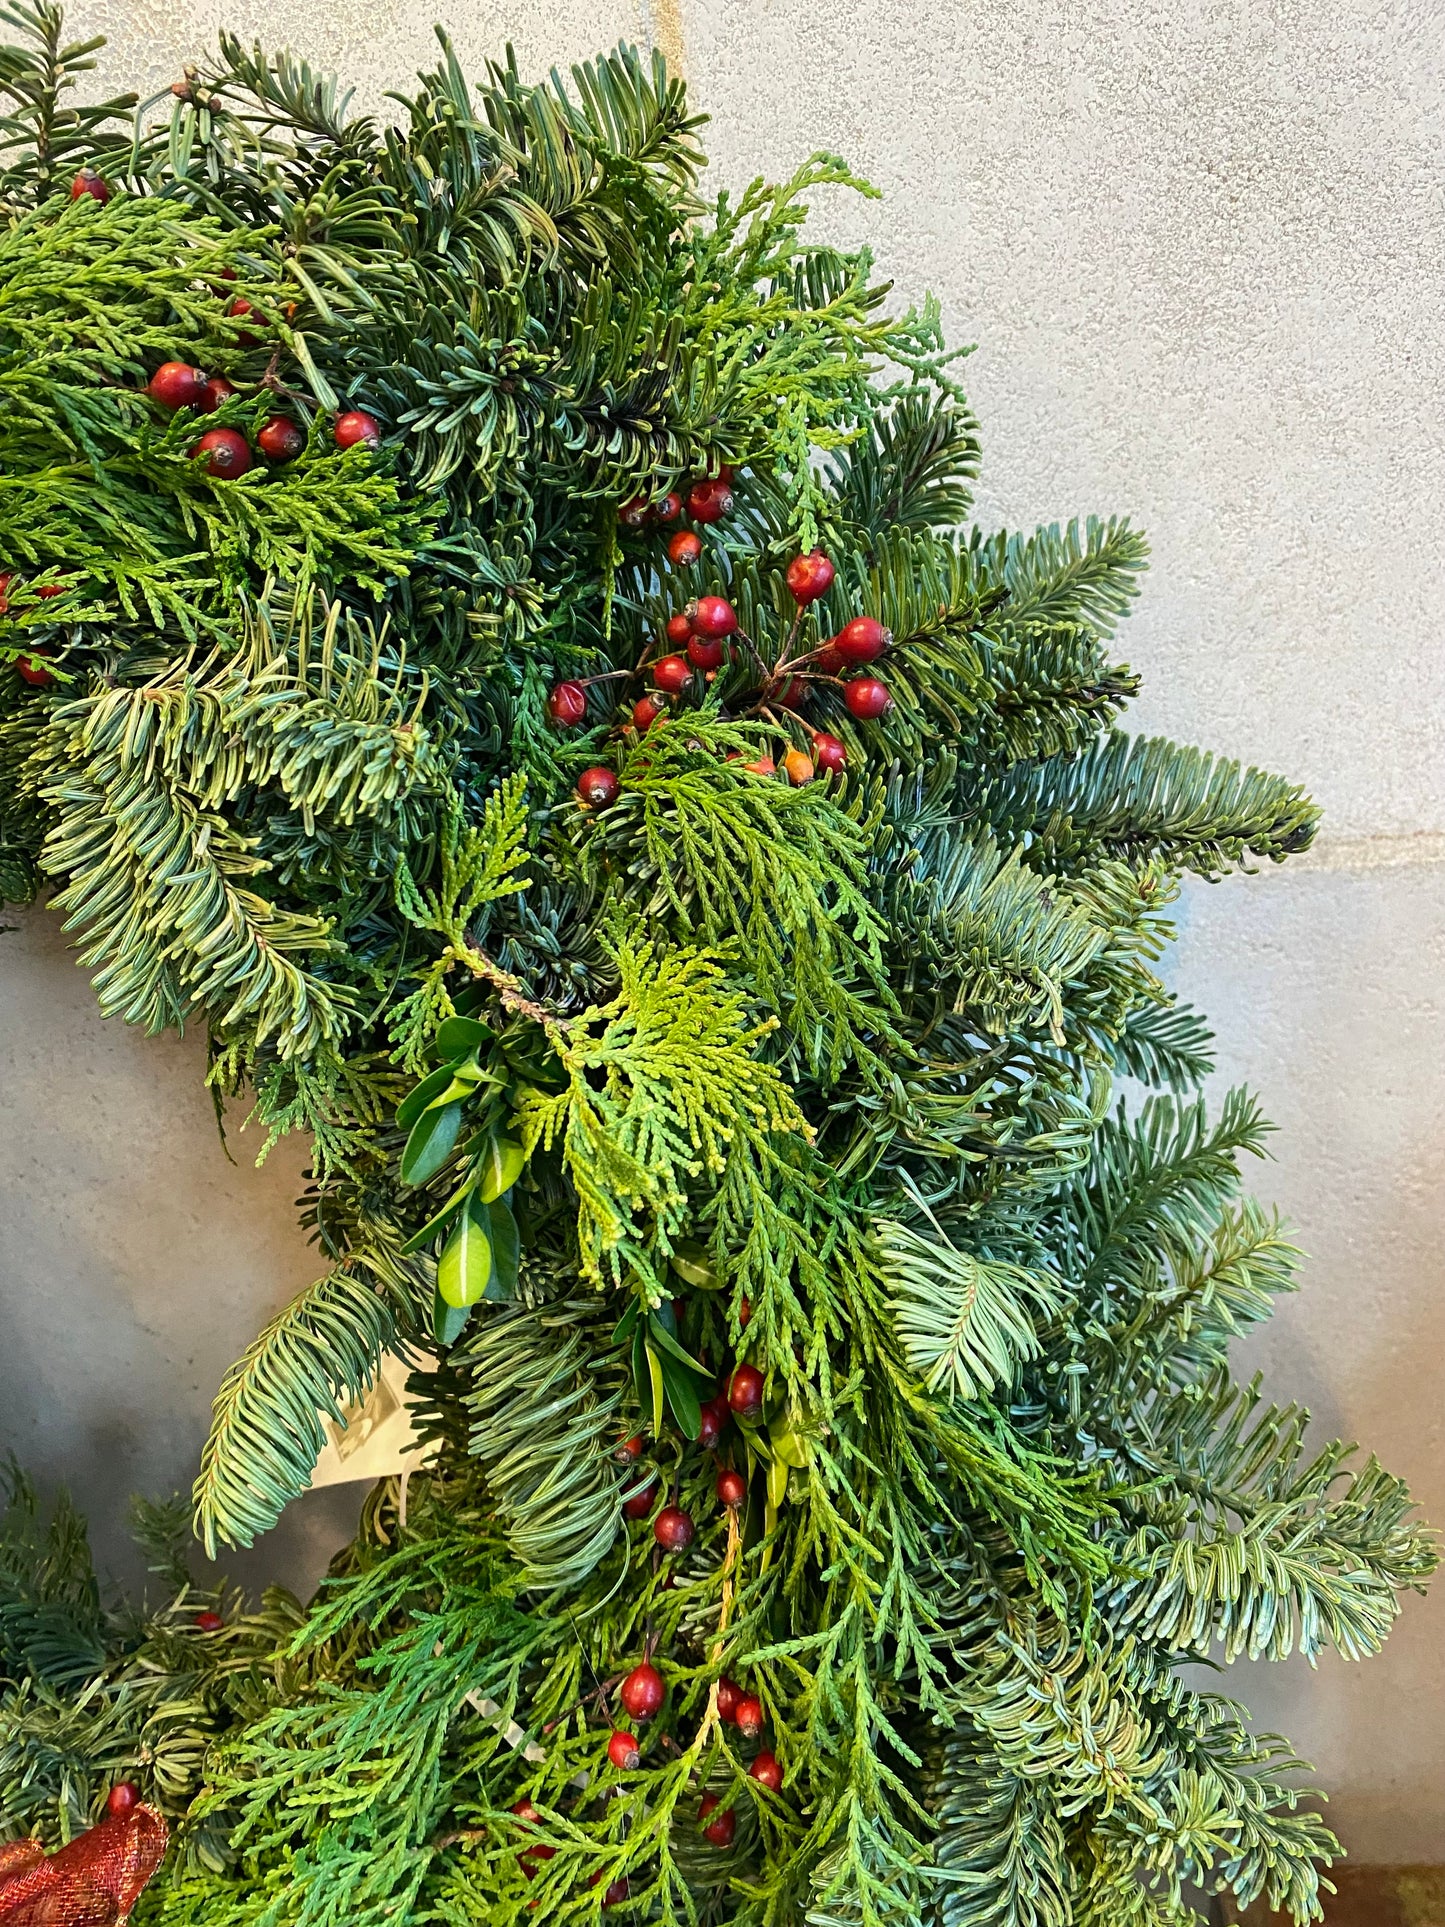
[
  {"x": 531, "y": 1858},
  {"x": 702, "y": 634},
  {"x": 31, "y": 668},
  {"x": 708, "y": 501},
  {"x": 643, "y": 1693},
  {"x": 227, "y": 453}
]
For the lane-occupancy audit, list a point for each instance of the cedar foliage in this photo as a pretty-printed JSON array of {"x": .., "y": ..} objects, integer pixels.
[{"x": 818, "y": 1078}]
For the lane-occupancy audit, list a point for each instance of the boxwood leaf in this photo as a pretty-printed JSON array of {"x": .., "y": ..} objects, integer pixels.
[
  {"x": 458, "y": 1035},
  {"x": 502, "y": 1162},
  {"x": 693, "y": 1265},
  {"x": 506, "y": 1250},
  {"x": 681, "y": 1395},
  {"x": 430, "y": 1143},
  {"x": 447, "y": 1320},
  {"x": 465, "y": 1266}
]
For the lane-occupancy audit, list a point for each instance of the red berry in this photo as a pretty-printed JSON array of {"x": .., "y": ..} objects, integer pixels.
[
  {"x": 725, "y": 471},
  {"x": 281, "y": 439},
  {"x": 762, "y": 766},
  {"x": 673, "y": 674},
  {"x": 356, "y": 426},
  {"x": 49, "y": 589},
  {"x": 226, "y": 452},
  {"x": 673, "y": 1529},
  {"x": 617, "y": 1892},
  {"x": 732, "y": 1488},
  {"x": 622, "y": 1751},
  {"x": 633, "y": 514},
  {"x": 176, "y": 384},
  {"x": 642, "y": 1692},
  {"x": 598, "y": 786},
  {"x": 628, "y": 1451},
  {"x": 720, "y": 1831},
  {"x": 641, "y": 1503},
  {"x": 216, "y": 390},
  {"x": 669, "y": 508},
  {"x": 709, "y": 501},
  {"x": 745, "y": 1391},
  {"x": 714, "y": 615},
  {"x": 5, "y": 581},
  {"x": 749, "y": 1716},
  {"x": 745, "y": 1313},
  {"x": 527, "y": 1813},
  {"x": 209, "y": 1622},
  {"x": 829, "y": 753},
  {"x": 867, "y": 698},
  {"x": 88, "y": 183},
  {"x": 679, "y": 629},
  {"x": 809, "y": 576},
  {"x": 645, "y": 712},
  {"x": 766, "y": 1771},
  {"x": 238, "y": 310},
  {"x": 567, "y": 704},
  {"x": 713, "y": 1417},
  {"x": 684, "y": 548},
  {"x": 828, "y": 661},
  {"x": 706, "y": 652},
  {"x": 728, "y": 1695},
  {"x": 124, "y": 1797},
  {"x": 32, "y": 669},
  {"x": 862, "y": 640},
  {"x": 798, "y": 768},
  {"x": 790, "y": 692}
]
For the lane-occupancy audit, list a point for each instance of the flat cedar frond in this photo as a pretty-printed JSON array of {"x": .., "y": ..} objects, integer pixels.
[
  {"x": 665, "y": 1092},
  {"x": 777, "y": 873}
]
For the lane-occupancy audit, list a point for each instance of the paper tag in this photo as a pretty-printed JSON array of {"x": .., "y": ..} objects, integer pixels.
[{"x": 376, "y": 1438}]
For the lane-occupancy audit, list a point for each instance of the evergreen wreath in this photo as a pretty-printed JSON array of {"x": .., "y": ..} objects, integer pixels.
[{"x": 490, "y": 637}]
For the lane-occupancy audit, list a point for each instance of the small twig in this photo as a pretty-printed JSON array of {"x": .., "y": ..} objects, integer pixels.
[{"x": 509, "y": 989}]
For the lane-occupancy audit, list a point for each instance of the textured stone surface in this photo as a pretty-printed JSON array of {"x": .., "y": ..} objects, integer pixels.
[{"x": 1200, "y": 245}]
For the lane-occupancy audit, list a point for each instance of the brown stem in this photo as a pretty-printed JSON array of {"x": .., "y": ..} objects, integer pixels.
[
  {"x": 509, "y": 990},
  {"x": 445, "y": 1840}
]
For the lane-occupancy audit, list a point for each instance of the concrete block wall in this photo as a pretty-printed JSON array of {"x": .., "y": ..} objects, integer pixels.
[{"x": 1202, "y": 249}]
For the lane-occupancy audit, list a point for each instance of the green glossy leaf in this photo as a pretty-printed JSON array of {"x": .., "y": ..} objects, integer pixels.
[
  {"x": 693, "y": 1265},
  {"x": 626, "y": 1324},
  {"x": 502, "y": 1162},
  {"x": 447, "y": 1320},
  {"x": 420, "y": 1095},
  {"x": 789, "y": 1448},
  {"x": 660, "y": 1335},
  {"x": 640, "y": 1377},
  {"x": 656, "y": 1387},
  {"x": 777, "y": 1484},
  {"x": 458, "y": 1035},
  {"x": 419, "y": 1240},
  {"x": 506, "y": 1251},
  {"x": 430, "y": 1144},
  {"x": 682, "y": 1396},
  {"x": 465, "y": 1266}
]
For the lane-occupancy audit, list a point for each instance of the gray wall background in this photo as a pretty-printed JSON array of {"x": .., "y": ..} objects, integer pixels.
[{"x": 1202, "y": 247}]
